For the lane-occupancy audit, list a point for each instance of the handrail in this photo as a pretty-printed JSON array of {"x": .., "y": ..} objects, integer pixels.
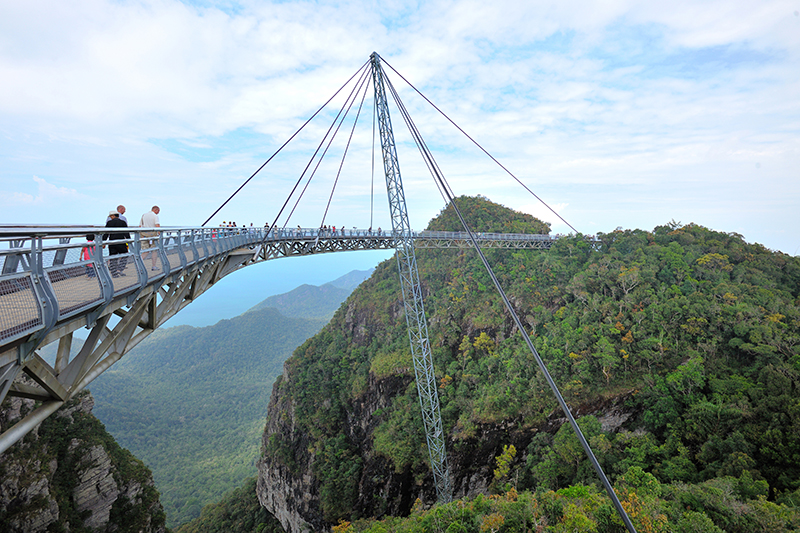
[{"x": 49, "y": 274}]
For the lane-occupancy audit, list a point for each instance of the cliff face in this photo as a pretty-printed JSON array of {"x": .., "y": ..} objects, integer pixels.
[
  {"x": 288, "y": 485},
  {"x": 68, "y": 474},
  {"x": 288, "y": 488}
]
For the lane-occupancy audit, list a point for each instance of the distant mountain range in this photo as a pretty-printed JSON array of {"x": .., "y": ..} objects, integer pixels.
[
  {"x": 190, "y": 402},
  {"x": 312, "y": 301}
]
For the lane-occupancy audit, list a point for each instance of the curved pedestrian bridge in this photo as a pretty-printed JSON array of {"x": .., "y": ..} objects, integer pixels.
[{"x": 53, "y": 282}]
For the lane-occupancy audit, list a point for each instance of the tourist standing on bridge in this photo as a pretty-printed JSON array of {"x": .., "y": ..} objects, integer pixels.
[
  {"x": 88, "y": 252},
  {"x": 116, "y": 265},
  {"x": 121, "y": 211},
  {"x": 150, "y": 220}
]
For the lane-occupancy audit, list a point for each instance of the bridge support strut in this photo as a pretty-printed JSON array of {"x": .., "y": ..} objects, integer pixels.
[{"x": 412, "y": 293}]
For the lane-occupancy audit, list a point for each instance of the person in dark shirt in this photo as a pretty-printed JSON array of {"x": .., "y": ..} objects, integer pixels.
[{"x": 116, "y": 265}]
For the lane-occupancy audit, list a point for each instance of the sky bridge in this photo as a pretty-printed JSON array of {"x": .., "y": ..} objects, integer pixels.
[{"x": 54, "y": 282}]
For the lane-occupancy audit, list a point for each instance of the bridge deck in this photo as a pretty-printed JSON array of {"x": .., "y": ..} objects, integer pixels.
[{"x": 42, "y": 262}]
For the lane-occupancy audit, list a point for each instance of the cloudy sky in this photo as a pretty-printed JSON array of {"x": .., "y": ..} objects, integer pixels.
[{"x": 616, "y": 113}]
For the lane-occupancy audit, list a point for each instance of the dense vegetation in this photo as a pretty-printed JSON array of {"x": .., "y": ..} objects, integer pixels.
[
  {"x": 652, "y": 507},
  {"x": 238, "y": 512},
  {"x": 190, "y": 403},
  {"x": 696, "y": 330}
]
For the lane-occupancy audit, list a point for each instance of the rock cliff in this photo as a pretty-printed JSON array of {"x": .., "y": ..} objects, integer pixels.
[
  {"x": 289, "y": 489},
  {"x": 69, "y": 474},
  {"x": 288, "y": 486}
]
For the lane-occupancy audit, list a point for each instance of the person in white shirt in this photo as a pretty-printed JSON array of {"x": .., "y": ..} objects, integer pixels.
[{"x": 150, "y": 220}]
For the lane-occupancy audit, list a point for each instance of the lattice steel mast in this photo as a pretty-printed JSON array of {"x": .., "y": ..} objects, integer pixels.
[{"x": 412, "y": 293}]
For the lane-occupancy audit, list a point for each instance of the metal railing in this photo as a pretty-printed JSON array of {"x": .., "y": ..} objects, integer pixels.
[{"x": 48, "y": 274}]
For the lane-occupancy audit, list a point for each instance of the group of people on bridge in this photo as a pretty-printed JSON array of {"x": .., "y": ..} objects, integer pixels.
[
  {"x": 332, "y": 232},
  {"x": 324, "y": 231},
  {"x": 117, "y": 219}
]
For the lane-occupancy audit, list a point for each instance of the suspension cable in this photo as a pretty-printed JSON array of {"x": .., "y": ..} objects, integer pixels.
[
  {"x": 313, "y": 156},
  {"x": 481, "y": 147},
  {"x": 344, "y": 154},
  {"x": 424, "y": 151},
  {"x": 285, "y": 143},
  {"x": 337, "y": 122}
]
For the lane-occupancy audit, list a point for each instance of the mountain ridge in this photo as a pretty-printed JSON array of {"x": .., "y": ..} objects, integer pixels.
[
  {"x": 315, "y": 301},
  {"x": 652, "y": 335}
]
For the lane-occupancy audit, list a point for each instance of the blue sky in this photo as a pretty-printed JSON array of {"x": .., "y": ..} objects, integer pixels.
[{"x": 616, "y": 113}]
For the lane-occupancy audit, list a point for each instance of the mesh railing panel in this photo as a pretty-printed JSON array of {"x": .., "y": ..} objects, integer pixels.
[
  {"x": 19, "y": 310},
  {"x": 189, "y": 252},
  {"x": 201, "y": 250},
  {"x": 76, "y": 288},
  {"x": 174, "y": 258},
  {"x": 123, "y": 272},
  {"x": 152, "y": 263}
]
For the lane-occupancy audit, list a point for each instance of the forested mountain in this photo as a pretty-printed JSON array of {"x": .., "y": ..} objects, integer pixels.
[
  {"x": 238, "y": 512},
  {"x": 352, "y": 279},
  {"x": 190, "y": 402},
  {"x": 678, "y": 347}
]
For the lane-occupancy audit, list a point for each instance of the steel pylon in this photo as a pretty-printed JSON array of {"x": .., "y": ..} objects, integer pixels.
[{"x": 412, "y": 293}]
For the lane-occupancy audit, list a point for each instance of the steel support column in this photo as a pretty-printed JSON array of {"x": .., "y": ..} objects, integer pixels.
[{"x": 412, "y": 294}]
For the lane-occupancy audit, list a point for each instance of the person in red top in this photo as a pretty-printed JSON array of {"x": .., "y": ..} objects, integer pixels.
[{"x": 87, "y": 252}]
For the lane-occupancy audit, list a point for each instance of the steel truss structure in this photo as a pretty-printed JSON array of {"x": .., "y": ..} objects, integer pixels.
[{"x": 412, "y": 293}]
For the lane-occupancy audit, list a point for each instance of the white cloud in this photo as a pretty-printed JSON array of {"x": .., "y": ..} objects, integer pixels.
[
  {"x": 593, "y": 104},
  {"x": 47, "y": 195}
]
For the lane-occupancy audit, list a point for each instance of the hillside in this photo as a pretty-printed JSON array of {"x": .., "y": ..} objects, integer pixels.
[
  {"x": 682, "y": 343},
  {"x": 237, "y": 512},
  {"x": 581, "y": 508},
  {"x": 190, "y": 402},
  {"x": 69, "y": 474}
]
